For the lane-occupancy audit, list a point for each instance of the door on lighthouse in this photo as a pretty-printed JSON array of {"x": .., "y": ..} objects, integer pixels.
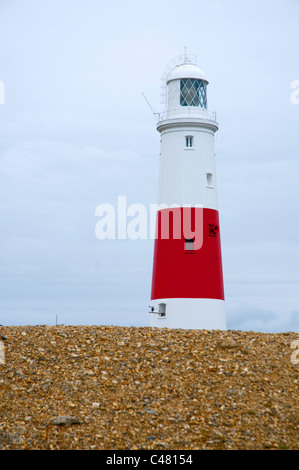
[{"x": 162, "y": 310}]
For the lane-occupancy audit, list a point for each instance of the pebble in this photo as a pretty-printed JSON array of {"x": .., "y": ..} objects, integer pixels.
[
  {"x": 105, "y": 387},
  {"x": 64, "y": 420}
]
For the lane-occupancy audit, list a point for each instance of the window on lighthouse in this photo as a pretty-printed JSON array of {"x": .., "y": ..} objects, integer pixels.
[
  {"x": 189, "y": 141},
  {"x": 210, "y": 182},
  {"x": 189, "y": 244},
  {"x": 193, "y": 92}
]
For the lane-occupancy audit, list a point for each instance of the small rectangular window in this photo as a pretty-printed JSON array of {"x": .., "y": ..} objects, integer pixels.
[
  {"x": 189, "y": 141},
  {"x": 210, "y": 180},
  {"x": 189, "y": 244}
]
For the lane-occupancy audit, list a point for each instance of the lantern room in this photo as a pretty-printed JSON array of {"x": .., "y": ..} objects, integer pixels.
[{"x": 186, "y": 90}]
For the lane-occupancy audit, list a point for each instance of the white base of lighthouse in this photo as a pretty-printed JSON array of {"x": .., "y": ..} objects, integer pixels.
[{"x": 195, "y": 314}]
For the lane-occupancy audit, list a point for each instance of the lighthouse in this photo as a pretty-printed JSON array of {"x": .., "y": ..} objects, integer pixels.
[{"x": 187, "y": 279}]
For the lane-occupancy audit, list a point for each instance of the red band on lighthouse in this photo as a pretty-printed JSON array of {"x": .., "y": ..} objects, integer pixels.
[{"x": 180, "y": 270}]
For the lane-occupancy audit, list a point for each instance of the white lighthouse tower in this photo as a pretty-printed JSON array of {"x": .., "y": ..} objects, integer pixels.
[{"x": 187, "y": 281}]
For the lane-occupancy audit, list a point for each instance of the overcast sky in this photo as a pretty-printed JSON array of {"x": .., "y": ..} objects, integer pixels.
[{"x": 76, "y": 132}]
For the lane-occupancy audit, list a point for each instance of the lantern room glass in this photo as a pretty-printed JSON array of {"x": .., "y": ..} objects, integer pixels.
[{"x": 193, "y": 92}]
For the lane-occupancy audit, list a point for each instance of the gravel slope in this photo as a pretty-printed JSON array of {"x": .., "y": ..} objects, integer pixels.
[{"x": 102, "y": 387}]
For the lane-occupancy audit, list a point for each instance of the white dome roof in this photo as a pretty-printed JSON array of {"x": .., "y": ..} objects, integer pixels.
[{"x": 186, "y": 70}]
